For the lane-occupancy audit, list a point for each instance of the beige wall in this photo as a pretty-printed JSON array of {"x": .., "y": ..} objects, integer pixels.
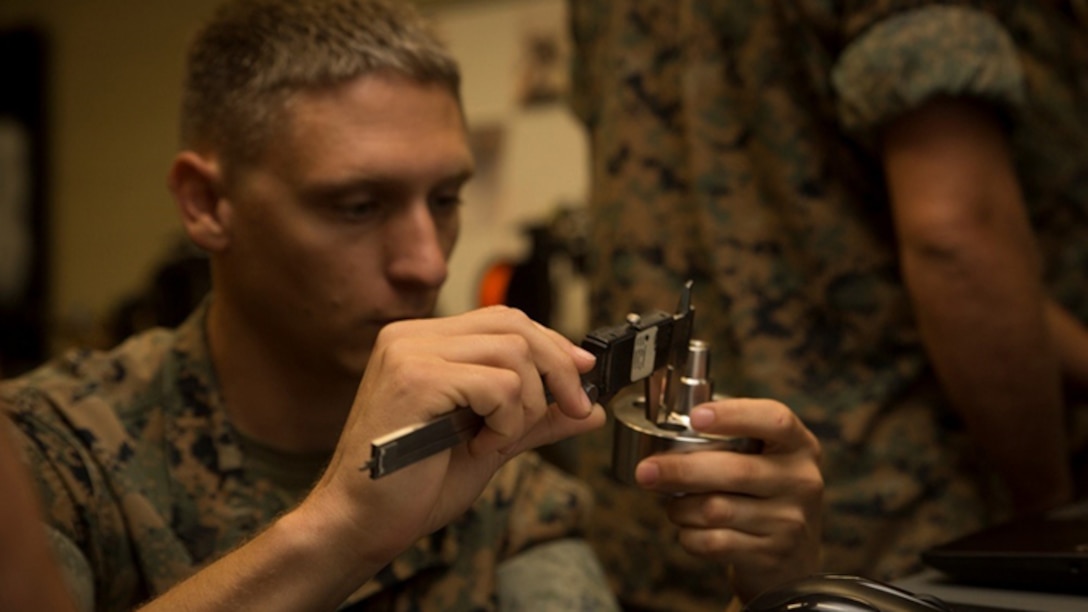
[{"x": 115, "y": 82}]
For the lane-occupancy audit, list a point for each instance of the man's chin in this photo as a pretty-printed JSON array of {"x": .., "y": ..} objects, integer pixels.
[{"x": 354, "y": 364}]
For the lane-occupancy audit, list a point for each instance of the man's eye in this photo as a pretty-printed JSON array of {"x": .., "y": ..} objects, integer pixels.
[
  {"x": 446, "y": 202},
  {"x": 359, "y": 210}
]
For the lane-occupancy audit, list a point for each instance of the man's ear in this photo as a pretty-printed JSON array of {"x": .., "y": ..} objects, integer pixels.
[{"x": 196, "y": 183}]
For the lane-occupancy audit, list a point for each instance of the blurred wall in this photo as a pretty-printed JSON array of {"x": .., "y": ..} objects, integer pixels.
[
  {"x": 534, "y": 156},
  {"x": 115, "y": 72},
  {"x": 114, "y": 83}
]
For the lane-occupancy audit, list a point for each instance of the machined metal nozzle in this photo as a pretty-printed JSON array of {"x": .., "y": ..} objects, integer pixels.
[{"x": 645, "y": 427}]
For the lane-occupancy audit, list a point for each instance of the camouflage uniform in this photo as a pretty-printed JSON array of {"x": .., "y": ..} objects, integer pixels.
[
  {"x": 734, "y": 144},
  {"x": 140, "y": 470}
]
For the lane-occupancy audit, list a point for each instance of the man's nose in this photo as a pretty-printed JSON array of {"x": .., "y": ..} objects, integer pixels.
[{"x": 415, "y": 249}]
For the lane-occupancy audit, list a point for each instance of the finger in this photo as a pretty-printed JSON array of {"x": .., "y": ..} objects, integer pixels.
[
  {"x": 492, "y": 373},
  {"x": 505, "y": 351},
  {"x": 788, "y": 482},
  {"x": 707, "y": 472},
  {"x": 583, "y": 359},
  {"x": 788, "y": 550},
  {"x": 794, "y": 475},
  {"x": 435, "y": 382},
  {"x": 723, "y": 545},
  {"x": 497, "y": 397},
  {"x": 556, "y": 359},
  {"x": 708, "y": 510},
  {"x": 759, "y": 562},
  {"x": 556, "y": 426},
  {"x": 767, "y": 420},
  {"x": 438, "y": 387},
  {"x": 737, "y": 512},
  {"x": 511, "y": 403},
  {"x": 512, "y": 352},
  {"x": 561, "y": 376}
]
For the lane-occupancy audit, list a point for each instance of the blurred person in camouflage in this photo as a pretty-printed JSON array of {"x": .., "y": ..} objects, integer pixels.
[
  {"x": 884, "y": 207},
  {"x": 219, "y": 465},
  {"x": 29, "y": 577}
]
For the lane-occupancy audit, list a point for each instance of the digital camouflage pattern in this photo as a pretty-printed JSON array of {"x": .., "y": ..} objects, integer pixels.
[
  {"x": 140, "y": 469},
  {"x": 732, "y": 144}
]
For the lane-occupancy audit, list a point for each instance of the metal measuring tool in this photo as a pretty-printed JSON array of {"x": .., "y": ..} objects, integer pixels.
[{"x": 626, "y": 353}]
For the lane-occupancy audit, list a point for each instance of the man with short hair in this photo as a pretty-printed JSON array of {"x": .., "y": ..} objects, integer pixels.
[{"x": 218, "y": 466}]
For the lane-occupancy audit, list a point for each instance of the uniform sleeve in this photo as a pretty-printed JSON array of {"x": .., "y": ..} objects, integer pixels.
[
  {"x": 547, "y": 505},
  {"x": 75, "y": 569},
  {"x": 60, "y": 517},
  {"x": 562, "y": 575},
  {"x": 528, "y": 507},
  {"x": 548, "y": 565},
  {"x": 916, "y": 55},
  {"x": 85, "y": 526}
]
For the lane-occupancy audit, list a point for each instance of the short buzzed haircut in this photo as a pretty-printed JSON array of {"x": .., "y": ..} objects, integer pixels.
[{"x": 253, "y": 55}]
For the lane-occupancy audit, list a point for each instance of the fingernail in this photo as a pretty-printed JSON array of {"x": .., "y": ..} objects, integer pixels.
[
  {"x": 584, "y": 353},
  {"x": 647, "y": 473},
  {"x": 587, "y": 405},
  {"x": 702, "y": 417}
]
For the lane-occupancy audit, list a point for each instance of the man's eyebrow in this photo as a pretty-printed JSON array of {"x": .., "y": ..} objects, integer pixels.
[
  {"x": 458, "y": 178},
  {"x": 333, "y": 188},
  {"x": 381, "y": 183}
]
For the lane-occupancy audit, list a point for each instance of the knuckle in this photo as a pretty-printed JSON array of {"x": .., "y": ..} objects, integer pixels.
[
  {"x": 745, "y": 474},
  {"x": 812, "y": 483},
  {"x": 508, "y": 315},
  {"x": 704, "y": 542},
  {"x": 515, "y": 424},
  {"x": 717, "y": 511},
  {"x": 692, "y": 540},
  {"x": 793, "y": 527},
  {"x": 534, "y": 409},
  {"x": 784, "y": 423},
  {"x": 389, "y": 334},
  {"x": 807, "y": 482},
  {"x": 508, "y": 385},
  {"x": 517, "y": 315},
  {"x": 817, "y": 449},
  {"x": 519, "y": 346},
  {"x": 498, "y": 310}
]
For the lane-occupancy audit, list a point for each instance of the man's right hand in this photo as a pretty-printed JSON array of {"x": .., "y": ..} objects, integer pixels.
[{"x": 496, "y": 361}]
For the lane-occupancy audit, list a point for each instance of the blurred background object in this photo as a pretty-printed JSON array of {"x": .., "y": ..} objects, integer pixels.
[{"x": 24, "y": 246}]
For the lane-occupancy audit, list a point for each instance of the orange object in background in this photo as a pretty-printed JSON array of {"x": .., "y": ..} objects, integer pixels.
[{"x": 494, "y": 284}]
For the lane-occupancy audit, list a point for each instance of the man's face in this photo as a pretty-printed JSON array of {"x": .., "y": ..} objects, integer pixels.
[{"x": 347, "y": 221}]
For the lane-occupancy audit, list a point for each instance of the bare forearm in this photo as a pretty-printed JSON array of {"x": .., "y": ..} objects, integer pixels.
[
  {"x": 970, "y": 264},
  {"x": 982, "y": 321},
  {"x": 1071, "y": 342}
]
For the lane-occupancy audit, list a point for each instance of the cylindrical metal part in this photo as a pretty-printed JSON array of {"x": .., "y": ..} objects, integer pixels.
[
  {"x": 690, "y": 389},
  {"x": 635, "y": 438},
  {"x": 644, "y": 428}
]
